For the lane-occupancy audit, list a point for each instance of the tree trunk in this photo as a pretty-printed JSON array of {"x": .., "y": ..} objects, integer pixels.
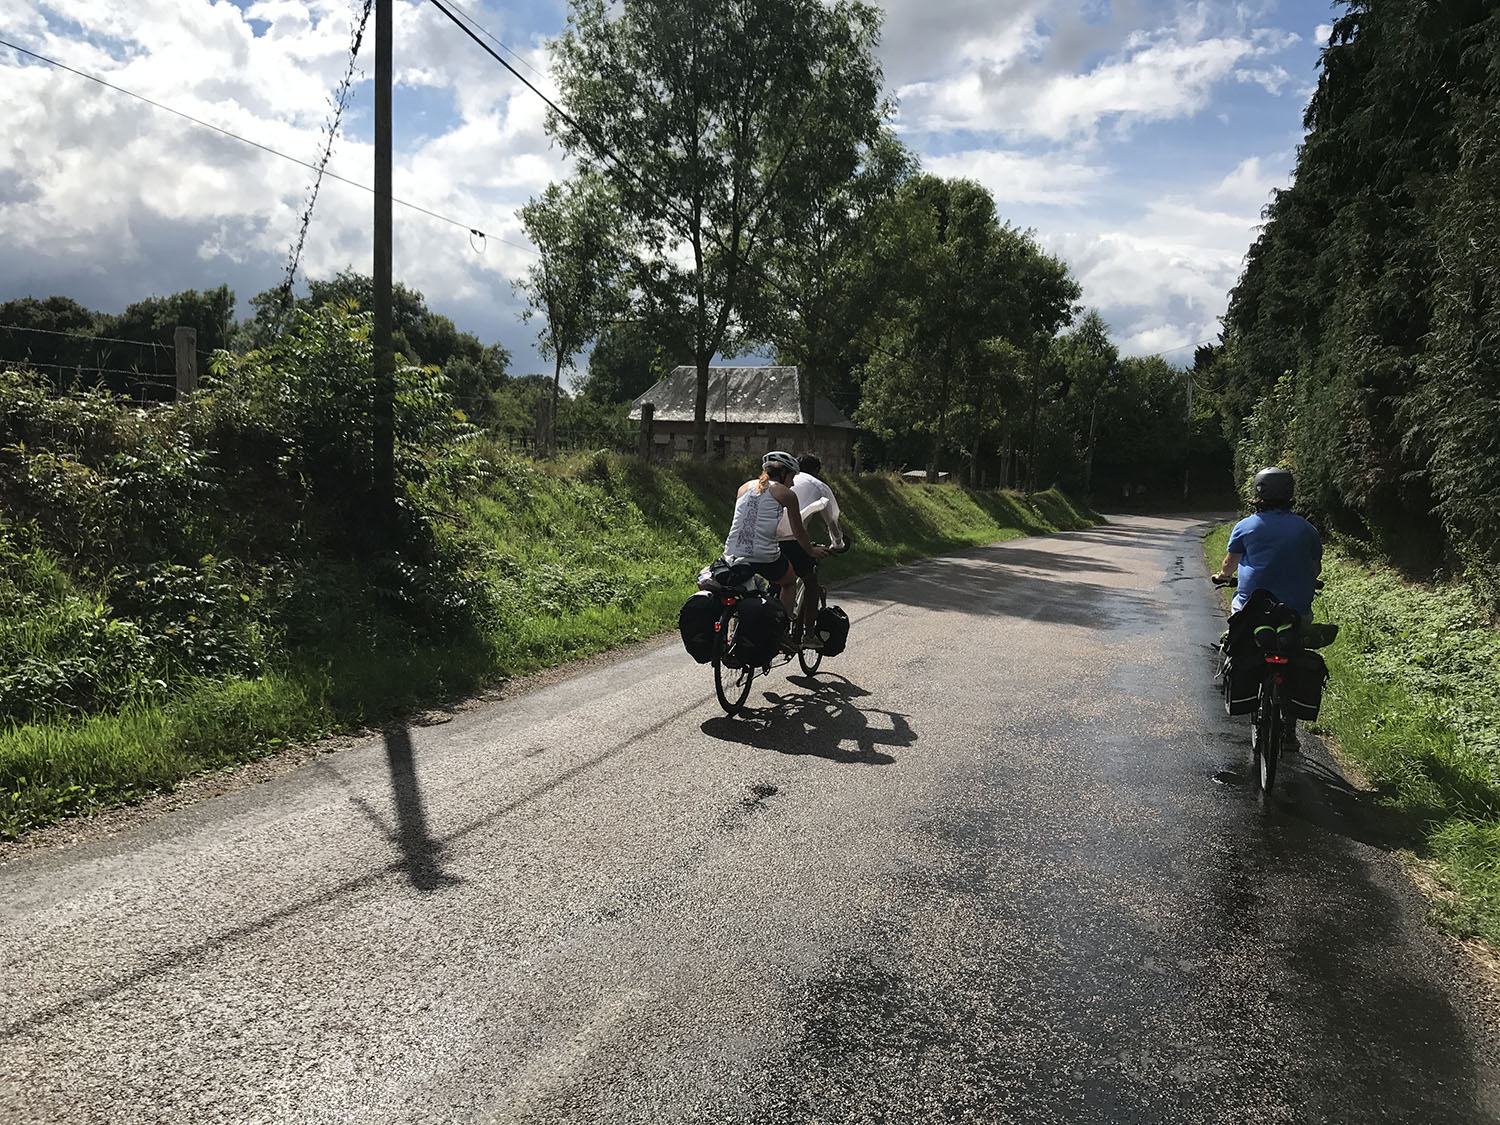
[
  {"x": 1005, "y": 461},
  {"x": 551, "y": 436},
  {"x": 974, "y": 462},
  {"x": 942, "y": 420},
  {"x": 1088, "y": 460},
  {"x": 807, "y": 396},
  {"x": 1036, "y": 398},
  {"x": 700, "y": 408}
]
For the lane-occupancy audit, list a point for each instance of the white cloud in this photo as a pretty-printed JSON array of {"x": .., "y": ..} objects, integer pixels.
[
  {"x": 1161, "y": 279},
  {"x": 1021, "y": 83},
  {"x": 1014, "y": 177},
  {"x": 1322, "y": 34},
  {"x": 1272, "y": 79}
]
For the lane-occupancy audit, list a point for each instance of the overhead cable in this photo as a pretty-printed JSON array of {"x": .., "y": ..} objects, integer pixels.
[{"x": 256, "y": 144}]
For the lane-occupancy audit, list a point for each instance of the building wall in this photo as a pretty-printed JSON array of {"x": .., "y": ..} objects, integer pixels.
[{"x": 745, "y": 440}]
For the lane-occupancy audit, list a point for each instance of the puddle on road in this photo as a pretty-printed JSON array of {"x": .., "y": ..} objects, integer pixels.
[{"x": 1229, "y": 777}]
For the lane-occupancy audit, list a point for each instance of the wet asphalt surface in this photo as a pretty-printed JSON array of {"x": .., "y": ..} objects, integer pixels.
[{"x": 980, "y": 869}]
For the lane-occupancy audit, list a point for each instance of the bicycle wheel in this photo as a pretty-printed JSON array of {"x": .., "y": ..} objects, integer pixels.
[
  {"x": 732, "y": 685},
  {"x": 1269, "y": 726},
  {"x": 810, "y": 659}
]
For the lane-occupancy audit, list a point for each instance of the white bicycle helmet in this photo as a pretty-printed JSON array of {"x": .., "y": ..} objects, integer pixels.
[{"x": 779, "y": 458}]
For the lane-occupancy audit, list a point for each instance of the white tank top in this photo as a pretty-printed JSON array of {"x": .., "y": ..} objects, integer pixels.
[{"x": 752, "y": 534}]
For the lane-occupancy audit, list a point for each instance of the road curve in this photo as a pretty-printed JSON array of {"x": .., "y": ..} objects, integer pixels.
[{"x": 979, "y": 870}]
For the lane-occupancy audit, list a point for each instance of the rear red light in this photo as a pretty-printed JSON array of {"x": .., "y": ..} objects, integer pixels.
[
  {"x": 728, "y": 601},
  {"x": 1278, "y": 660}
]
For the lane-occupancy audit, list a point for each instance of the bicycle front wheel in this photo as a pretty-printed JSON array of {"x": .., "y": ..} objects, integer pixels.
[{"x": 810, "y": 659}]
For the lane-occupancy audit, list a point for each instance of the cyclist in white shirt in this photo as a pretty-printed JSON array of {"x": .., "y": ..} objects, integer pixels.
[{"x": 813, "y": 496}]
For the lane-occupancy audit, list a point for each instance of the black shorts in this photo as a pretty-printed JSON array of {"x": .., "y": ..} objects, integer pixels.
[
  {"x": 773, "y": 571},
  {"x": 803, "y": 563}
]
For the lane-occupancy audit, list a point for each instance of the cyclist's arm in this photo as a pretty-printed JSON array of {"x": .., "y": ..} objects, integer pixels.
[
  {"x": 788, "y": 500},
  {"x": 1230, "y": 567},
  {"x": 831, "y": 519}
]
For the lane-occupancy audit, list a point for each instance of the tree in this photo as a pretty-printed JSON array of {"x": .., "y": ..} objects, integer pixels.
[
  {"x": 576, "y": 228},
  {"x": 706, "y": 108},
  {"x": 475, "y": 371},
  {"x": 1091, "y": 362},
  {"x": 957, "y": 282},
  {"x": 826, "y": 296},
  {"x": 628, "y": 358}
]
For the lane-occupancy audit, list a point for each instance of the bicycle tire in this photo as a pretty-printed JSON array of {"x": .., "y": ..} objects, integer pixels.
[
  {"x": 809, "y": 659},
  {"x": 1269, "y": 726},
  {"x": 731, "y": 685}
]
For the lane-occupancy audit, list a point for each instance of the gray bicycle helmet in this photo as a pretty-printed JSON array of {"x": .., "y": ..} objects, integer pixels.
[
  {"x": 779, "y": 458},
  {"x": 1274, "y": 485}
]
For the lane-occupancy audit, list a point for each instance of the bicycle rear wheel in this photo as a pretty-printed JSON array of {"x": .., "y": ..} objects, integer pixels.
[
  {"x": 732, "y": 685},
  {"x": 1266, "y": 737},
  {"x": 810, "y": 659}
]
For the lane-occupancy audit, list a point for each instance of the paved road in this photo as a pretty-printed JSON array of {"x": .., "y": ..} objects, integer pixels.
[{"x": 983, "y": 873}]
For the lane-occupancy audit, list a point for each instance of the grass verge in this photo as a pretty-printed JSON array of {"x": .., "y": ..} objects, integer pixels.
[
  {"x": 575, "y": 558},
  {"x": 1414, "y": 699}
]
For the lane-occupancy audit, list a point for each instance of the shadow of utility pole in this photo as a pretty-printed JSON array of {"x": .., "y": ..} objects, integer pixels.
[{"x": 421, "y": 854}]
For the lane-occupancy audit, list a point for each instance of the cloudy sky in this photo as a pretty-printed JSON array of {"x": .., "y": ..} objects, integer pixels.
[{"x": 1138, "y": 138}]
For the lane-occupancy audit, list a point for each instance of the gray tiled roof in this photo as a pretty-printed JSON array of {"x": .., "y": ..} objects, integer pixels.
[{"x": 763, "y": 395}]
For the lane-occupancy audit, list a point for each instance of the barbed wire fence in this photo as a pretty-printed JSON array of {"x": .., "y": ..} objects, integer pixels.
[{"x": 146, "y": 370}]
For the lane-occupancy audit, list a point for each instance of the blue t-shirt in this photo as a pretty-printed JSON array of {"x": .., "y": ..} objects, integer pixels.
[{"x": 1279, "y": 551}]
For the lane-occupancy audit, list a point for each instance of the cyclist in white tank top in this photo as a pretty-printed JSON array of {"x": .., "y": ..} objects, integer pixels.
[{"x": 758, "y": 507}]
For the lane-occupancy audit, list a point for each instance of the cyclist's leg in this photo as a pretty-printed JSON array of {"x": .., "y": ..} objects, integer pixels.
[
  {"x": 803, "y": 566},
  {"x": 810, "y": 600}
]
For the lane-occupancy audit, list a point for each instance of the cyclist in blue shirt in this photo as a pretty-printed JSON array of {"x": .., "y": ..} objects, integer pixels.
[{"x": 1275, "y": 549}]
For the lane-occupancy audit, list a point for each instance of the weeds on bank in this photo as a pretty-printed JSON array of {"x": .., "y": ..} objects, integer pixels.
[{"x": 1414, "y": 698}]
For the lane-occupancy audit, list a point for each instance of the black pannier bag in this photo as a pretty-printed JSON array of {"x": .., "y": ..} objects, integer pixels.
[
  {"x": 696, "y": 621},
  {"x": 1242, "y": 680},
  {"x": 1305, "y": 675},
  {"x": 833, "y": 626},
  {"x": 758, "y": 633}
]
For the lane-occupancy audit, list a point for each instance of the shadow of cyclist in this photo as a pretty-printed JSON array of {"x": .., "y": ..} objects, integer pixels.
[{"x": 822, "y": 721}]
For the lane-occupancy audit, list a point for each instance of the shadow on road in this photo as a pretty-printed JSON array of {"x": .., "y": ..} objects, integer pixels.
[
  {"x": 1037, "y": 585},
  {"x": 822, "y": 721},
  {"x": 420, "y": 852}
]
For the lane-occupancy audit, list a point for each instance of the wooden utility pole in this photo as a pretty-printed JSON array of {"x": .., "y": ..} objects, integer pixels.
[
  {"x": 648, "y": 418},
  {"x": 186, "y": 343},
  {"x": 383, "y": 429}
]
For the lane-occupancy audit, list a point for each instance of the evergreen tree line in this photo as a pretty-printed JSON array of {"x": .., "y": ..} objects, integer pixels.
[{"x": 1362, "y": 342}]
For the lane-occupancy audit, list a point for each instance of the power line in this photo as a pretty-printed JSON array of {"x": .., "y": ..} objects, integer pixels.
[
  {"x": 1180, "y": 347},
  {"x": 83, "y": 336},
  {"x": 520, "y": 58},
  {"x": 597, "y": 145},
  {"x": 256, "y": 144}
]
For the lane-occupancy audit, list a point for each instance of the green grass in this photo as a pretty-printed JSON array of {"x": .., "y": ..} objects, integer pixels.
[
  {"x": 1414, "y": 699},
  {"x": 572, "y": 559}
]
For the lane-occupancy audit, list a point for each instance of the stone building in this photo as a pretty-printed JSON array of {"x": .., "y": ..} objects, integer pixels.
[{"x": 750, "y": 410}]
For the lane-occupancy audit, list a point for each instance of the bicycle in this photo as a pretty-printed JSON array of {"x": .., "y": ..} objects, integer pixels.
[
  {"x": 1276, "y": 644},
  {"x": 733, "y": 677}
]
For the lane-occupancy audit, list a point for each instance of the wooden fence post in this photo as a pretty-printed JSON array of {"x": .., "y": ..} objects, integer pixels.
[
  {"x": 648, "y": 425},
  {"x": 186, "y": 340}
]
